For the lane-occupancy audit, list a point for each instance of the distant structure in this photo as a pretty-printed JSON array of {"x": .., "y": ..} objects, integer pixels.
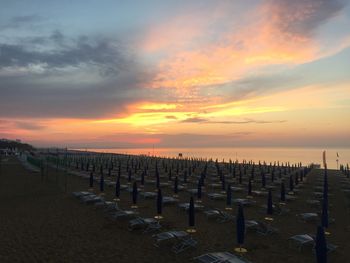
[{"x": 180, "y": 155}]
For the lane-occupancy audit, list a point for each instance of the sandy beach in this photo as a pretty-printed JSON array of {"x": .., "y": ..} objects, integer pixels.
[{"x": 40, "y": 222}]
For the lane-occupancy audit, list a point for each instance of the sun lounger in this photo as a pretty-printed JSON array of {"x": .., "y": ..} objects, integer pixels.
[
  {"x": 186, "y": 206},
  {"x": 309, "y": 240},
  {"x": 243, "y": 202},
  {"x": 124, "y": 214},
  {"x": 181, "y": 239},
  {"x": 216, "y": 196},
  {"x": 148, "y": 224},
  {"x": 309, "y": 217},
  {"x": 149, "y": 195},
  {"x": 169, "y": 200},
  {"x": 220, "y": 257},
  {"x": 81, "y": 194},
  {"x": 220, "y": 216},
  {"x": 265, "y": 229}
]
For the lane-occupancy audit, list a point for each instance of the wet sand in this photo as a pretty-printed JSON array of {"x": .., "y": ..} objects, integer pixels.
[{"x": 40, "y": 222}]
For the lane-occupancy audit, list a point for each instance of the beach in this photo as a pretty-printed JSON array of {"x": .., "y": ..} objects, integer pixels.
[{"x": 42, "y": 222}]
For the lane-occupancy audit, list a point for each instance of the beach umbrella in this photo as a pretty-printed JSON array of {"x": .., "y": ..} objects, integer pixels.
[
  {"x": 191, "y": 217},
  {"x": 91, "y": 184},
  {"x": 117, "y": 189},
  {"x": 143, "y": 178},
  {"x": 223, "y": 184},
  {"x": 240, "y": 229},
  {"x": 283, "y": 192},
  {"x": 170, "y": 175},
  {"x": 159, "y": 204},
  {"x": 185, "y": 177},
  {"x": 291, "y": 184},
  {"x": 129, "y": 176},
  {"x": 269, "y": 203},
  {"x": 228, "y": 197},
  {"x": 102, "y": 183},
  {"x": 240, "y": 177},
  {"x": 250, "y": 187},
  {"x": 321, "y": 246},
  {"x": 263, "y": 180},
  {"x": 324, "y": 216},
  {"x": 134, "y": 195},
  {"x": 176, "y": 186},
  {"x": 199, "y": 190},
  {"x": 157, "y": 179}
]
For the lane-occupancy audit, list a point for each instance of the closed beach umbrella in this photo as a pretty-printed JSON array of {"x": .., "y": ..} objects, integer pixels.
[
  {"x": 143, "y": 178},
  {"x": 157, "y": 180},
  {"x": 240, "y": 226},
  {"x": 129, "y": 176},
  {"x": 91, "y": 180},
  {"x": 199, "y": 189},
  {"x": 134, "y": 194},
  {"x": 176, "y": 185},
  {"x": 269, "y": 203},
  {"x": 229, "y": 196},
  {"x": 263, "y": 180},
  {"x": 283, "y": 192},
  {"x": 291, "y": 184},
  {"x": 324, "y": 217},
  {"x": 191, "y": 220},
  {"x": 102, "y": 183},
  {"x": 250, "y": 187},
  {"x": 159, "y": 203},
  {"x": 223, "y": 183},
  {"x": 117, "y": 188},
  {"x": 321, "y": 246}
]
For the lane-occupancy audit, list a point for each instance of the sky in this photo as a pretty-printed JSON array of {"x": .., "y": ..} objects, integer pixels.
[{"x": 201, "y": 73}]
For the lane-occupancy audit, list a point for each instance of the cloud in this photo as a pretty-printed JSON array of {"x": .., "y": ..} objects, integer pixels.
[
  {"x": 244, "y": 121},
  {"x": 20, "y": 21}
]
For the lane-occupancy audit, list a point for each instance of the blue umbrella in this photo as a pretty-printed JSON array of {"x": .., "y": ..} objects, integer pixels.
[
  {"x": 191, "y": 220},
  {"x": 129, "y": 176},
  {"x": 91, "y": 180},
  {"x": 324, "y": 217},
  {"x": 102, "y": 183},
  {"x": 269, "y": 203},
  {"x": 223, "y": 183},
  {"x": 229, "y": 196},
  {"x": 291, "y": 184},
  {"x": 157, "y": 179},
  {"x": 134, "y": 194},
  {"x": 143, "y": 178},
  {"x": 117, "y": 188},
  {"x": 283, "y": 192},
  {"x": 199, "y": 190},
  {"x": 176, "y": 186},
  {"x": 240, "y": 226},
  {"x": 159, "y": 204},
  {"x": 263, "y": 180},
  {"x": 250, "y": 187},
  {"x": 321, "y": 246}
]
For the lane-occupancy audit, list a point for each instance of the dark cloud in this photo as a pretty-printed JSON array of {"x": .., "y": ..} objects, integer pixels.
[
  {"x": 102, "y": 53},
  {"x": 20, "y": 21},
  {"x": 302, "y": 17},
  {"x": 244, "y": 121},
  {"x": 84, "y": 77}
]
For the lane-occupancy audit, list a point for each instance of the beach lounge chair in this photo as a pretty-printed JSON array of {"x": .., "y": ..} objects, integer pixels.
[
  {"x": 186, "y": 206},
  {"x": 181, "y": 239},
  {"x": 148, "y": 224},
  {"x": 216, "y": 196},
  {"x": 124, "y": 214},
  {"x": 91, "y": 199},
  {"x": 309, "y": 240},
  {"x": 220, "y": 257},
  {"x": 243, "y": 202},
  {"x": 219, "y": 215},
  {"x": 148, "y": 195},
  {"x": 81, "y": 194},
  {"x": 251, "y": 225},
  {"x": 169, "y": 200},
  {"x": 309, "y": 217},
  {"x": 265, "y": 229}
]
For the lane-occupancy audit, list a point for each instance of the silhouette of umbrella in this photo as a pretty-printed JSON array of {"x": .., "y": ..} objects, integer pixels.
[
  {"x": 321, "y": 246},
  {"x": 134, "y": 195},
  {"x": 250, "y": 188},
  {"x": 159, "y": 204},
  {"x": 143, "y": 178},
  {"x": 269, "y": 209},
  {"x": 263, "y": 180},
  {"x": 228, "y": 197},
  {"x": 91, "y": 181},
  {"x": 129, "y": 176},
  {"x": 291, "y": 185},
  {"x": 223, "y": 184},
  {"x": 117, "y": 189},
  {"x": 283, "y": 193},
  {"x": 175, "y": 186},
  {"x": 191, "y": 218},
  {"x": 199, "y": 191},
  {"x": 324, "y": 217},
  {"x": 102, "y": 183},
  {"x": 240, "y": 230}
]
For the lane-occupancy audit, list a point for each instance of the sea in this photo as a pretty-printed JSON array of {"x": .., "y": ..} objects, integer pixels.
[{"x": 334, "y": 156}]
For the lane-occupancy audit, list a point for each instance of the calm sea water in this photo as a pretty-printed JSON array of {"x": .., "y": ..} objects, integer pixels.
[{"x": 292, "y": 155}]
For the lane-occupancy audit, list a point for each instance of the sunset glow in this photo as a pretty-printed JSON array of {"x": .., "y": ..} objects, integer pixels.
[{"x": 167, "y": 72}]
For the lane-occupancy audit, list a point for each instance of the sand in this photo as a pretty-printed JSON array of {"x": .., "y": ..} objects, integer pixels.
[{"x": 41, "y": 222}]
